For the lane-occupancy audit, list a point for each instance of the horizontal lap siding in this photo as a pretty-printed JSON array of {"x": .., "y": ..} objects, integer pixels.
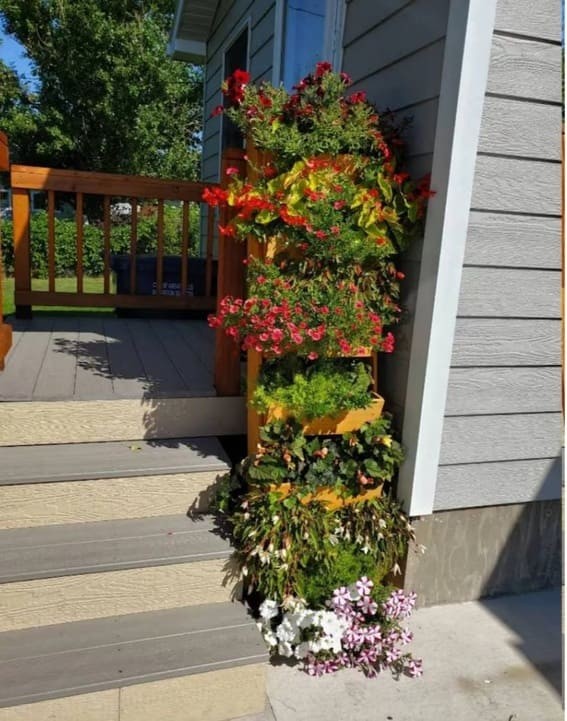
[
  {"x": 230, "y": 16},
  {"x": 393, "y": 50},
  {"x": 503, "y": 426}
]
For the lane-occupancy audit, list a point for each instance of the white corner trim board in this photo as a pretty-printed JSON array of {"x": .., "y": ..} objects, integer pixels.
[{"x": 463, "y": 85}]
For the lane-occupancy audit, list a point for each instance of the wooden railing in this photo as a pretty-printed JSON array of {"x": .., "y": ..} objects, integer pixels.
[
  {"x": 25, "y": 179},
  {"x": 5, "y": 329}
]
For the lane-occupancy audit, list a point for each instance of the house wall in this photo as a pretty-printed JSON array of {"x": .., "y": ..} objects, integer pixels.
[
  {"x": 230, "y": 17},
  {"x": 394, "y": 51},
  {"x": 502, "y": 431}
]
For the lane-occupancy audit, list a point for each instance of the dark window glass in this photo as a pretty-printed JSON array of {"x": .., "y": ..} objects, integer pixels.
[
  {"x": 235, "y": 58},
  {"x": 304, "y": 38}
]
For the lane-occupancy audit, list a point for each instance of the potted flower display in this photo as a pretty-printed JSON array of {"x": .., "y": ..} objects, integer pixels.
[{"x": 324, "y": 208}]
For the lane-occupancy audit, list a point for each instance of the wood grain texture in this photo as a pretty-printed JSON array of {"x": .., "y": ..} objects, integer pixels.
[
  {"x": 24, "y": 506},
  {"x": 525, "y": 69},
  {"x": 519, "y": 186},
  {"x": 416, "y": 25},
  {"x": 475, "y": 439},
  {"x": 492, "y": 484},
  {"x": 512, "y": 127},
  {"x": 98, "y": 706},
  {"x": 540, "y": 19},
  {"x": 117, "y": 420},
  {"x": 66, "y": 599},
  {"x": 510, "y": 293},
  {"x": 480, "y": 391},
  {"x": 506, "y": 342},
  {"x": 510, "y": 240},
  {"x": 212, "y": 696}
]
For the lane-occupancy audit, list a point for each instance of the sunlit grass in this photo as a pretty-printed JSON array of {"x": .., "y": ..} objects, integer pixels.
[{"x": 62, "y": 285}]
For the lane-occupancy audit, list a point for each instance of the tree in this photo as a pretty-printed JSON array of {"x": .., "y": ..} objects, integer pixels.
[{"x": 108, "y": 96}]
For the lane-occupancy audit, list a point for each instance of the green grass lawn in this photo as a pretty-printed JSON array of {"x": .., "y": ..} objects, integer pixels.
[{"x": 62, "y": 285}]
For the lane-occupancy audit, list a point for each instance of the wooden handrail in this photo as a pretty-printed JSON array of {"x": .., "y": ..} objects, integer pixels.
[
  {"x": 30, "y": 177},
  {"x": 136, "y": 189}
]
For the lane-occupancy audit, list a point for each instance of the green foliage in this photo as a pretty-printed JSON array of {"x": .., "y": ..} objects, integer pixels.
[
  {"x": 346, "y": 565},
  {"x": 291, "y": 548},
  {"x": 109, "y": 98},
  {"x": 93, "y": 245},
  {"x": 362, "y": 459},
  {"x": 313, "y": 390}
]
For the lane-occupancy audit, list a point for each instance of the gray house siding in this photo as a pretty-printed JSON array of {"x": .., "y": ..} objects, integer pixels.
[
  {"x": 230, "y": 17},
  {"x": 394, "y": 50},
  {"x": 502, "y": 431}
]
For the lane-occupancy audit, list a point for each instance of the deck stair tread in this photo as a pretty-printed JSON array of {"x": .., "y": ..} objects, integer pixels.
[
  {"x": 112, "y": 459},
  {"x": 86, "y": 656},
  {"x": 73, "y": 549}
]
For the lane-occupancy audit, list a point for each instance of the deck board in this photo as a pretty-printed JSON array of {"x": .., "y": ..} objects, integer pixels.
[
  {"x": 101, "y": 358},
  {"x": 56, "y": 378},
  {"x": 24, "y": 363}
]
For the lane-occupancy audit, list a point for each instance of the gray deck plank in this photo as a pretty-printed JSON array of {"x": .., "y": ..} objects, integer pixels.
[
  {"x": 24, "y": 364},
  {"x": 129, "y": 378},
  {"x": 69, "y": 659},
  {"x": 112, "y": 459},
  {"x": 93, "y": 377},
  {"x": 69, "y": 550},
  {"x": 56, "y": 379},
  {"x": 197, "y": 377},
  {"x": 163, "y": 377},
  {"x": 201, "y": 338}
]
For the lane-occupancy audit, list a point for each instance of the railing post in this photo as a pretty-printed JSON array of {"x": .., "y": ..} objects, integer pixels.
[
  {"x": 5, "y": 329},
  {"x": 22, "y": 257},
  {"x": 230, "y": 281}
]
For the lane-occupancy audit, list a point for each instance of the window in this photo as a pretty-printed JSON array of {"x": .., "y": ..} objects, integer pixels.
[
  {"x": 235, "y": 58},
  {"x": 303, "y": 38}
]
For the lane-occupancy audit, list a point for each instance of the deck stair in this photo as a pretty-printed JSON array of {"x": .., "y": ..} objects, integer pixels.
[{"x": 117, "y": 589}]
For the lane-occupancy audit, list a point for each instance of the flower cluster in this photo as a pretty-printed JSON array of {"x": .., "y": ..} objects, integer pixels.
[{"x": 354, "y": 632}]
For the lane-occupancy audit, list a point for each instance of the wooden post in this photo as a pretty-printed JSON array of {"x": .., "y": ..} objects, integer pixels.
[
  {"x": 230, "y": 282},
  {"x": 5, "y": 329},
  {"x": 22, "y": 256}
]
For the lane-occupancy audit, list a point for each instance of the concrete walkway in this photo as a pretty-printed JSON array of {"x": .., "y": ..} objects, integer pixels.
[{"x": 496, "y": 660}]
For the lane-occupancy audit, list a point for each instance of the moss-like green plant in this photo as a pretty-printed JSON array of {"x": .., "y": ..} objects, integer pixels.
[{"x": 312, "y": 390}]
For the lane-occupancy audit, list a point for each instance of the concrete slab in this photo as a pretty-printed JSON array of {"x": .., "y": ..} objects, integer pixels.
[{"x": 496, "y": 660}]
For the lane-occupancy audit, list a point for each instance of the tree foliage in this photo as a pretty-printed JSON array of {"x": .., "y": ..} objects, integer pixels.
[{"x": 108, "y": 96}]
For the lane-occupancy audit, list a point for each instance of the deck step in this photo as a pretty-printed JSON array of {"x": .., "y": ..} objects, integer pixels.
[
  {"x": 198, "y": 663},
  {"x": 28, "y": 423},
  {"x": 59, "y": 574},
  {"x": 86, "y": 482},
  {"x": 112, "y": 459},
  {"x": 33, "y": 553}
]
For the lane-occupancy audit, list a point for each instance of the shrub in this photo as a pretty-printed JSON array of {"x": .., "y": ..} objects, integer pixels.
[{"x": 93, "y": 243}]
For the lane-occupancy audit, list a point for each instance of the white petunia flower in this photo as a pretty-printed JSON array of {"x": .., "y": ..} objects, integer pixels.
[
  {"x": 269, "y": 609},
  {"x": 270, "y": 638},
  {"x": 285, "y": 649},
  {"x": 302, "y": 650}
]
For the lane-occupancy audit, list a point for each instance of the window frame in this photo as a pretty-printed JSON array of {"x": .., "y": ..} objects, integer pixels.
[{"x": 335, "y": 12}]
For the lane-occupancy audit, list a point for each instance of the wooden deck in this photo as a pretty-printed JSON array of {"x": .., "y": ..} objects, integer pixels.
[{"x": 98, "y": 358}]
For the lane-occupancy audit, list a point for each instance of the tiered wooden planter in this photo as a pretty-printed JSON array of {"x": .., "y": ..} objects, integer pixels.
[{"x": 326, "y": 426}]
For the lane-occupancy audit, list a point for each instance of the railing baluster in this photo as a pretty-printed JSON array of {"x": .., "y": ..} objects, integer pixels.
[
  {"x": 184, "y": 247},
  {"x": 106, "y": 235},
  {"x": 159, "y": 267},
  {"x": 133, "y": 244},
  {"x": 51, "y": 240},
  {"x": 22, "y": 257},
  {"x": 209, "y": 261},
  {"x": 79, "y": 220}
]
